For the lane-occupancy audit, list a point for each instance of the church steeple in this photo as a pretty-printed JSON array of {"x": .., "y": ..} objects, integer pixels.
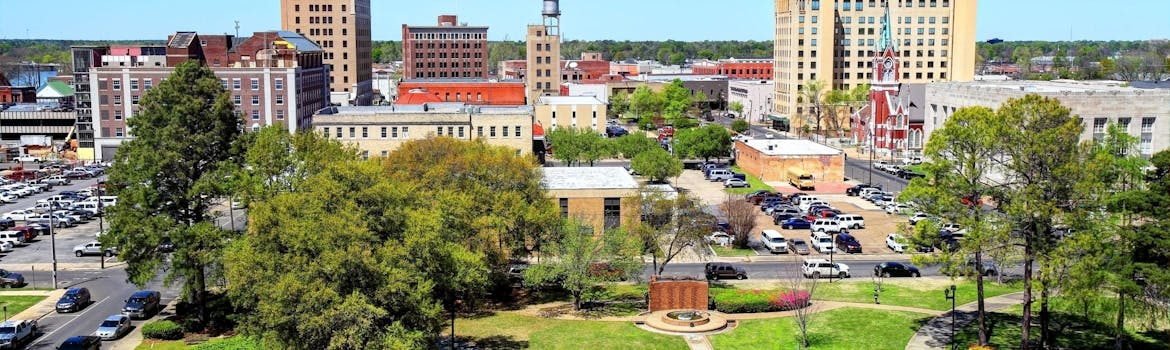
[{"x": 886, "y": 40}]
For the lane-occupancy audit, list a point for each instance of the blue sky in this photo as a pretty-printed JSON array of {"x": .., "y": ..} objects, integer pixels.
[{"x": 685, "y": 20}]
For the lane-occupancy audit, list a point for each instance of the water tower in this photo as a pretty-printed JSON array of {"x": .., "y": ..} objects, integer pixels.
[{"x": 552, "y": 17}]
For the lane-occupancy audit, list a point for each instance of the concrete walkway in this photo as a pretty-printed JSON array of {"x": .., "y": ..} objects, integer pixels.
[{"x": 936, "y": 333}]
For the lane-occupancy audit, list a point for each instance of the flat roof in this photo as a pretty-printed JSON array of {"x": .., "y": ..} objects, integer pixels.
[
  {"x": 1055, "y": 86},
  {"x": 437, "y": 107},
  {"x": 587, "y": 178},
  {"x": 570, "y": 100},
  {"x": 791, "y": 148}
]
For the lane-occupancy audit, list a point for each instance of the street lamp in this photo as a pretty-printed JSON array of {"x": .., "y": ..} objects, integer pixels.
[
  {"x": 53, "y": 246},
  {"x": 832, "y": 249},
  {"x": 101, "y": 257},
  {"x": 950, "y": 294}
]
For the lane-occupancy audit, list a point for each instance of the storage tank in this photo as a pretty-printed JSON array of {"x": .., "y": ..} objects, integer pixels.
[{"x": 551, "y": 8}]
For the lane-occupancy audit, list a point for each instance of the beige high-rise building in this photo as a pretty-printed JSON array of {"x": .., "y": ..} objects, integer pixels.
[
  {"x": 342, "y": 29},
  {"x": 833, "y": 41},
  {"x": 544, "y": 54}
]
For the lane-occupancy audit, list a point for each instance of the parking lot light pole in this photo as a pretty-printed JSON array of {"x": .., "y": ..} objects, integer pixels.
[
  {"x": 950, "y": 294},
  {"x": 102, "y": 256},
  {"x": 832, "y": 249},
  {"x": 53, "y": 247}
]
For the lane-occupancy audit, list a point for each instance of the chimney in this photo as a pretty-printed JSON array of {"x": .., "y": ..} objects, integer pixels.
[{"x": 448, "y": 20}]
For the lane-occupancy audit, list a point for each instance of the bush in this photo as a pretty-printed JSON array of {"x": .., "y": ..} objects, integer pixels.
[
  {"x": 165, "y": 330},
  {"x": 744, "y": 301},
  {"x": 238, "y": 342},
  {"x": 791, "y": 300},
  {"x": 740, "y": 125}
]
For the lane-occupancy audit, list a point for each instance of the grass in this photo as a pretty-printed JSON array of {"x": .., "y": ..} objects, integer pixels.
[
  {"x": 1070, "y": 331},
  {"x": 154, "y": 344},
  {"x": 917, "y": 168},
  {"x": 845, "y": 328},
  {"x": 755, "y": 183},
  {"x": 514, "y": 331},
  {"x": 926, "y": 296},
  {"x": 18, "y": 303},
  {"x": 732, "y": 251}
]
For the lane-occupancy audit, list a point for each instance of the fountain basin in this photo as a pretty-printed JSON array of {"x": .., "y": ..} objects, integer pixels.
[{"x": 683, "y": 321}]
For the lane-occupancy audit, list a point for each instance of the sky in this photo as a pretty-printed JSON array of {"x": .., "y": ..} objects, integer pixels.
[{"x": 683, "y": 20}]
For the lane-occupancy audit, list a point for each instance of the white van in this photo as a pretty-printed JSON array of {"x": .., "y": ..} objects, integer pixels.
[
  {"x": 774, "y": 241},
  {"x": 851, "y": 221},
  {"x": 16, "y": 238},
  {"x": 91, "y": 207},
  {"x": 719, "y": 174},
  {"x": 109, "y": 201}
]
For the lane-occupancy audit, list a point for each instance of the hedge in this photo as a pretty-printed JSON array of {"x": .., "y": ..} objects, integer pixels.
[
  {"x": 735, "y": 301},
  {"x": 165, "y": 330},
  {"x": 238, "y": 342}
]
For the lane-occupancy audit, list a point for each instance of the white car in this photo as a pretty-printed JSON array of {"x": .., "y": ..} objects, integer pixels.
[
  {"x": 5, "y": 247},
  {"x": 20, "y": 215},
  {"x": 823, "y": 243},
  {"x": 897, "y": 208},
  {"x": 113, "y": 327},
  {"x": 720, "y": 238},
  {"x": 919, "y": 216},
  {"x": 735, "y": 183},
  {"x": 880, "y": 165},
  {"x": 817, "y": 268},
  {"x": 8, "y": 198},
  {"x": 825, "y": 225},
  {"x": 894, "y": 242}
]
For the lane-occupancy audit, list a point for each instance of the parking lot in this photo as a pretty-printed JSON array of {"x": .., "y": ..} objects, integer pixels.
[
  {"x": 39, "y": 251},
  {"x": 872, "y": 238}
]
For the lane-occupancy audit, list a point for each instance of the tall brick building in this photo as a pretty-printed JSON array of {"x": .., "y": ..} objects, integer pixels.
[
  {"x": 544, "y": 54},
  {"x": 273, "y": 78},
  {"x": 342, "y": 29},
  {"x": 446, "y": 50}
]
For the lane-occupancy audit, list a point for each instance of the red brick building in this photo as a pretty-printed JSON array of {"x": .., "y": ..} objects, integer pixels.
[
  {"x": 273, "y": 78},
  {"x": 589, "y": 68},
  {"x": 447, "y": 50},
  {"x": 472, "y": 92},
  {"x": 735, "y": 68},
  {"x": 16, "y": 94}
]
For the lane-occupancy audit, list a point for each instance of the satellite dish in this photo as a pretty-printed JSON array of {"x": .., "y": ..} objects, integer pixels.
[{"x": 573, "y": 64}]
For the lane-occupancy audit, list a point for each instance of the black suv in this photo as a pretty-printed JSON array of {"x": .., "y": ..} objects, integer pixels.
[
  {"x": 847, "y": 243},
  {"x": 81, "y": 342},
  {"x": 74, "y": 299},
  {"x": 716, "y": 271},
  {"x": 896, "y": 269},
  {"x": 855, "y": 190},
  {"x": 142, "y": 304}
]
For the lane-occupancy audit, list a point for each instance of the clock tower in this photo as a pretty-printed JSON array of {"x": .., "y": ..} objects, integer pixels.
[{"x": 883, "y": 123}]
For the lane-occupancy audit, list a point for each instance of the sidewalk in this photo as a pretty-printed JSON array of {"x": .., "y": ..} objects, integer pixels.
[
  {"x": 936, "y": 333},
  {"x": 40, "y": 309}
]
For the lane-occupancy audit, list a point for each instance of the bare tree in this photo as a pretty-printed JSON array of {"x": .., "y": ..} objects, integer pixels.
[
  {"x": 741, "y": 219},
  {"x": 671, "y": 226},
  {"x": 801, "y": 306}
]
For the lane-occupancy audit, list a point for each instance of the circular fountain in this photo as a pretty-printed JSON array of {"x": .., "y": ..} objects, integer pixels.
[
  {"x": 685, "y": 321},
  {"x": 686, "y": 318}
]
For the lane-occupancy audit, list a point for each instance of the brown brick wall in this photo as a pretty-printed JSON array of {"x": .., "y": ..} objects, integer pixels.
[{"x": 666, "y": 295}]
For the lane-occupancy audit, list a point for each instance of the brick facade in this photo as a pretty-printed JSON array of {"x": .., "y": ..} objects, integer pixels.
[
  {"x": 681, "y": 294},
  {"x": 447, "y": 50}
]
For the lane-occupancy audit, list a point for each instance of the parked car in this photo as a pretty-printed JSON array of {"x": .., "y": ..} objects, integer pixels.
[
  {"x": 851, "y": 221},
  {"x": 880, "y": 165},
  {"x": 717, "y": 270},
  {"x": 817, "y": 268},
  {"x": 735, "y": 183},
  {"x": 20, "y": 214},
  {"x": 823, "y": 243},
  {"x": 9, "y": 279},
  {"x": 848, "y": 243},
  {"x": 856, "y": 189},
  {"x": 895, "y": 269},
  {"x": 81, "y": 342},
  {"x": 57, "y": 180},
  {"x": 968, "y": 268},
  {"x": 898, "y": 208},
  {"x": 795, "y": 223},
  {"x": 919, "y": 216},
  {"x": 720, "y": 238},
  {"x": 774, "y": 241},
  {"x": 113, "y": 327},
  {"x": 615, "y": 131},
  {"x": 29, "y": 159},
  {"x": 75, "y": 299},
  {"x": 6, "y": 247},
  {"x": 825, "y": 225},
  {"x": 6, "y": 223},
  {"x": 142, "y": 304},
  {"x": 798, "y": 246},
  {"x": 93, "y": 248},
  {"x": 757, "y": 196},
  {"x": 894, "y": 242}
]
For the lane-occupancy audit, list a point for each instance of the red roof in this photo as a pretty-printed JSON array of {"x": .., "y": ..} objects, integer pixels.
[{"x": 417, "y": 97}]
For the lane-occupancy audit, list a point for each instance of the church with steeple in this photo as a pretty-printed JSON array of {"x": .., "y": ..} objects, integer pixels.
[{"x": 883, "y": 124}]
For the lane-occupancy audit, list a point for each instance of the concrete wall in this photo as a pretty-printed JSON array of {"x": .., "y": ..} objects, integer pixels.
[
  {"x": 585, "y": 116},
  {"x": 404, "y": 127},
  {"x": 775, "y": 168}
]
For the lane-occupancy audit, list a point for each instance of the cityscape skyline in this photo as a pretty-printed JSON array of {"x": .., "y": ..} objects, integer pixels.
[{"x": 1061, "y": 20}]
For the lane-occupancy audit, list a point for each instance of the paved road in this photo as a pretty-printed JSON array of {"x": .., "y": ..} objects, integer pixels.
[
  {"x": 778, "y": 269},
  {"x": 40, "y": 251}
]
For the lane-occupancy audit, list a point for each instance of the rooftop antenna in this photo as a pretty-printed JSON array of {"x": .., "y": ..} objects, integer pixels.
[{"x": 237, "y": 29}]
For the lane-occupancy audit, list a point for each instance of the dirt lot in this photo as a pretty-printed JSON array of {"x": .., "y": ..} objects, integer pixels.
[{"x": 877, "y": 223}]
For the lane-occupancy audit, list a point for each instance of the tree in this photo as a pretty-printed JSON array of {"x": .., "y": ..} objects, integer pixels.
[
  {"x": 709, "y": 141},
  {"x": 677, "y": 101},
  {"x": 801, "y": 314},
  {"x": 619, "y": 104},
  {"x": 962, "y": 157},
  {"x": 645, "y": 102},
  {"x": 1040, "y": 151},
  {"x": 811, "y": 93},
  {"x": 737, "y": 107},
  {"x": 631, "y": 145},
  {"x": 740, "y": 126},
  {"x": 741, "y": 220},
  {"x": 569, "y": 145},
  {"x": 672, "y": 225},
  {"x": 656, "y": 164},
  {"x": 578, "y": 254},
  {"x": 167, "y": 178}
]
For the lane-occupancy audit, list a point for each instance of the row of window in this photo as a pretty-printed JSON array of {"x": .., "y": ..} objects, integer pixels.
[
  {"x": 238, "y": 100},
  {"x": 420, "y": 65},
  {"x": 443, "y": 45},
  {"x": 392, "y": 132},
  {"x": 611, "y": 211},
  {"x": 256, "y": 114},
  {"x": 445, "y": 36},
  {"x": 419, "y": 55},
  {"x": 319, "y": 8},
  {"x": 254, "y": 83},
  {"x": 444, "y": 74},
  {"x": 116, "y": 84},
  {"x": 858, "y": 5},
  {"x": 1123, "y": 123},
  {"x": 326, "y": 31}
]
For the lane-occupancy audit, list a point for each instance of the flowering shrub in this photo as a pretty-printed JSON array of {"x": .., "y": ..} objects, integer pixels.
[{"x": 791, "y": 300}]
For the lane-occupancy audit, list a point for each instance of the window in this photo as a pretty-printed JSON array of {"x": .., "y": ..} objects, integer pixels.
[
  {"x": 1099, "y": 128},
  {"x": 255, "y": 100},
  {"x": 279, "y": 84},
  {"x": 460, "y": 132},
  {"x": 1147, "y": 125},
  {"x": 118, "y": 114},
  {"x": 134, "y": 99},
  {"x": 517, "y": 131},
  {"x": 223, "y": 83},
  {"x": 479, "y": 131},
  {"x": 384, "y": 153},
  {"x": 352, "y": 133},
  {"x": 383, "y": 132},
  {"x": 148, "y": 83},
  {"x": 504, "y": 132},
  {"x": 450, "y": 131},
  {"x": 237, "y": 99},
  {"x": 339, "y": 132},
  {"x": 118, "y": 132},
  {"x": 255, "y": 114},
  {"x": 612, "y": 211},
  {"x": 365, "y": 155},
  {"x": 564, "y": 207},
  {"x": 406, "y": 132},
  {"x": 236, "y": 84},
  {"x": 117, "y": 84},
  {"x": 816, "y": 5},
  {"x": 394, "y": 132},
  {"x": 280, "y": 114},
  {"x": 325, "y": 131},
  {"x": 280, "y": 99},
  {"x": 117, "y": 100},
  {"x": 255, "y": 83},
  {"x": 133, "y": 84},
  {"x": 365, "y": 132}
]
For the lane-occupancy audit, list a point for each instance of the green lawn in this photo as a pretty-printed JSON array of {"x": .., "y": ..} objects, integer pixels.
[
  {"x": 908, "y": 294},
  {"x": 845, "y": 328},
  {"x": 1071, "y": 332},
  {"x": 731, "y": 251},
  {"x": 17, "y": 303},
  {"x": 513, "y": 331},
  {"x": 917, "y": 168},
  {"x": 213, "y": 343},
  {"x": 755, "y": 183}
]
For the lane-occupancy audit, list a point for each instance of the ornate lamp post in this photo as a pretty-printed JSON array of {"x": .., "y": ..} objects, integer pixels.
[{"x": 950, "y": 294}]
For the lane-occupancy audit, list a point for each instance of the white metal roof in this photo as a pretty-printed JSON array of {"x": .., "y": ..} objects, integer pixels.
[
  {"x": 587, "y": 178},
  {"x": 791, "y": 148}
]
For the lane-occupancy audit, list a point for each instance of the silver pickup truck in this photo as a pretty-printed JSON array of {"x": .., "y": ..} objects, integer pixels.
[{"x": 15, "y": 333}]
